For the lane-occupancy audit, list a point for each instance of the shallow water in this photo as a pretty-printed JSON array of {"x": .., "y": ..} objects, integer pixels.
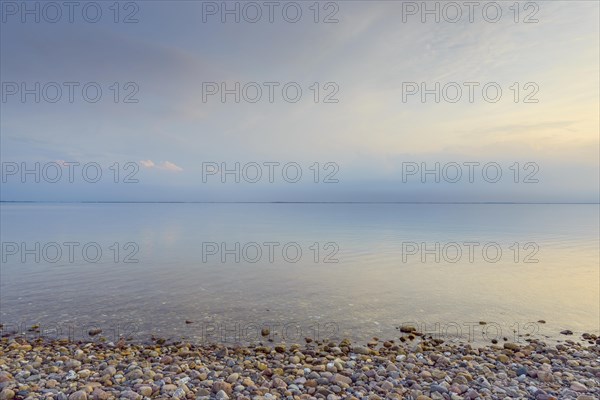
[{"x": 367, "y": 277}]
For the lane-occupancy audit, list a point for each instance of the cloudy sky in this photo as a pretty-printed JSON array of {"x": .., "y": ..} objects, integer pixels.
[{"x": 162, "y": 119}]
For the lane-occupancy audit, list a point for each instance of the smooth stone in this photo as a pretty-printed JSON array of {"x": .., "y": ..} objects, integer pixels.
[
  {"x": 130, "y": 395},
  {"x": 221, "y": 395},
  {"x": 168, "y": 388},
  {"x": 361, "y": 350},
  {"x": 222, "y": 386},
  {"x": 338, "y": 378},
  {"x": 578, "y": 387},
  {"x": 99, "y": 394},
  {"x": 438, "y": 388},
  {"x": 79, "y": 395},
  {"x": 145, "y": 391},
  {"x": 7, "y": 394}
]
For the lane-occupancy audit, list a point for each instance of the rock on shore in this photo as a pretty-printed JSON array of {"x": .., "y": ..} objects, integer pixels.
[{"x": 428, "y": 369}]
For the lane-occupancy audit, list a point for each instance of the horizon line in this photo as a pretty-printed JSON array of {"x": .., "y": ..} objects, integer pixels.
[{"x": 289, "y": 202}]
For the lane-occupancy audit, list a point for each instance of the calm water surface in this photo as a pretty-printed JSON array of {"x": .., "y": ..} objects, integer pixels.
[{"x": 304, "y": 270}]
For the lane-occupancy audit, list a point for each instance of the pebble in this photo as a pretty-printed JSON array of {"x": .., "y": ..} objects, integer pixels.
[
  {"x": 361, "y": 350},
  {"x": 420, "y": 368},
  {"x": 79, "y": 395},
  {"x": 221, "y": 395},
  {"x": 438, "y": 388},
  {"x": 338, "y": 378},
  {"x": 578, "y": 387},
  {"x": 145, "y": 391},
  {"x": 99, "y": 394},
  {"x": 511, "y": 346},
  {"x": 222, "y": 386}
]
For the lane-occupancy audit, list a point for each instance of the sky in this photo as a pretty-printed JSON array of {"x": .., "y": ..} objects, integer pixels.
[{"x": 361, "y": 127}]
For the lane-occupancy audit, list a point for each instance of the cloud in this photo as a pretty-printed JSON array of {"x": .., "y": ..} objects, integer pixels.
[
  {"x": 147, "y": 163},
  {"x": 165, "y": 165},
  {"x": 169, "y": 166}
]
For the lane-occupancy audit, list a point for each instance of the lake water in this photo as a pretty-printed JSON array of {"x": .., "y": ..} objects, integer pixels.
[{"x": 302, "y": 270}]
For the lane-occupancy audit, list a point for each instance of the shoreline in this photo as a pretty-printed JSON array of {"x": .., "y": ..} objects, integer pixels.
[
  {"x": 420, "y": 368},
  {"x": 481, "y": 333}
]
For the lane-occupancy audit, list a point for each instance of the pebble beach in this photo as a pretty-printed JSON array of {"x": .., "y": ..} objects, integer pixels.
[{"x": 417, "y": 368}]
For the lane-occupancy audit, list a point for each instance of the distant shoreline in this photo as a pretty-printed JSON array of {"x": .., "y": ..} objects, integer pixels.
[{"x": 292, "y": 202}]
